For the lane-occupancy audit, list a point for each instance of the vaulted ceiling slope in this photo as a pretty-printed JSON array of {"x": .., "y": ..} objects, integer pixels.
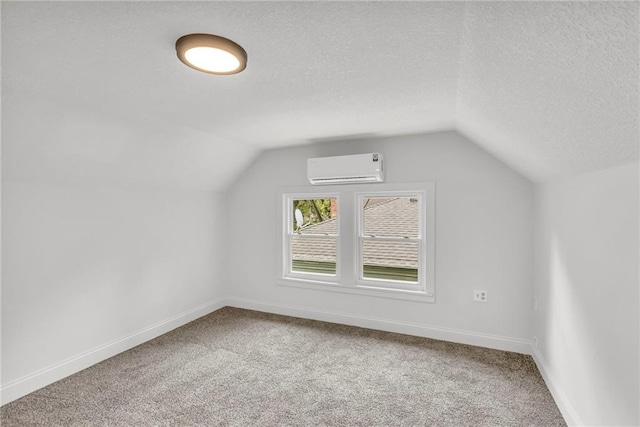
[
  {"x": 92, "y": 91},
  {"x": 551, "y": 88}
]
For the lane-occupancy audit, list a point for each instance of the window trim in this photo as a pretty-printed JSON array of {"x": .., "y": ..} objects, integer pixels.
[{"x": 347, "y": 271}]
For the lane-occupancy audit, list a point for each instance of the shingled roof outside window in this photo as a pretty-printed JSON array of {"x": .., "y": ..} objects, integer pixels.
[{"x": 383, "y": 217}]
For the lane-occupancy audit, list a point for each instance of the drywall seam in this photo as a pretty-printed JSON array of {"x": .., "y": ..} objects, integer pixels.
[
  {"x": 43, "y": 377},
  {"x": 445, "y": 334},
  {"x": 565, "y": 406}
]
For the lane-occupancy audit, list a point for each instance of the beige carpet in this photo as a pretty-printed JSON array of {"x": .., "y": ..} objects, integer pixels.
[{"x": 243, "y": 368}]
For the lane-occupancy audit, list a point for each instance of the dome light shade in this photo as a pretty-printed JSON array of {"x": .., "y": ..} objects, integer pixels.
[{"x": 211, "y": 54}]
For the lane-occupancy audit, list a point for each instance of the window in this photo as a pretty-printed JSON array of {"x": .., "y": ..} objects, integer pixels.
[
  {"x": 312, "y": 236},
  {"x": 390, "y": 240},
  {"x": 340, "y": 238}
]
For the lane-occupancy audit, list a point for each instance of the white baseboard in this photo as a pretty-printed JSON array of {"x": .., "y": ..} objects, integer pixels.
[
  {"x": 566, "y": 409},
  {"x": 445, "y": 334},
  {"x": 43, "y": 377}
]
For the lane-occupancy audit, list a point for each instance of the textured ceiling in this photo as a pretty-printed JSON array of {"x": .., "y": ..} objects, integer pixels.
[
  {"x": 551, "y": 88},
  {"x": 92, "y": 91}
]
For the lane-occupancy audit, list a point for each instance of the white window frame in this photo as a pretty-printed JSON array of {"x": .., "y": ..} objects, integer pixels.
[
  {"x": 288, "y": 271},
  {"x": 347, "y": 278},
  {"x": 420, "y": 285}
]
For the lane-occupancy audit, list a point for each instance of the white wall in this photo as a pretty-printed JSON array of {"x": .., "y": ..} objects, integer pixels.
[
  {"x": 483, "y": 239},
  {"x": 113, "y": 233},
  {"x": 48, "y": 141},
  {"x": 83, "y": 267},
  {"x": 586, "y": 283}
]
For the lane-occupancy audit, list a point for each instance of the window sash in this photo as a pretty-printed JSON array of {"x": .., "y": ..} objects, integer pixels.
[
  {"x": 309, "y": 274},
  {"x": 314, "y": 267},
  {"x": 291, "y": 212},
  {"x": 365, "y": 280},
  {"x": 390, "y": 283}
]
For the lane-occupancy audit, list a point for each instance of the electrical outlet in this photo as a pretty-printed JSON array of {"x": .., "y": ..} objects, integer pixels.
[
  {"x": 480, "y": 296},
  {"x": 535, "y": 342},
  {"x": 535, "y": 303}
]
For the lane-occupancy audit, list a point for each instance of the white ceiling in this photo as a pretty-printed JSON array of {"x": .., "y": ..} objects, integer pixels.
[{"x": 93, "y": 91}]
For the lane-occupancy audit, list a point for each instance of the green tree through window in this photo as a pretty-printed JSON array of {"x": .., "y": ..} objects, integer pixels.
[{"x": 313, "y": 211}]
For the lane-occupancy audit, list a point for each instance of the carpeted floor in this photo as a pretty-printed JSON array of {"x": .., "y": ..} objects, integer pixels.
[{"x": 243, "y": 368}]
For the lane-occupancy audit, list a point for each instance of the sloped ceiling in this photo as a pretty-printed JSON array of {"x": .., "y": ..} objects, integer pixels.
[
  {"x": 93, "y": 92},
  {"x": 551, "y": 88}
]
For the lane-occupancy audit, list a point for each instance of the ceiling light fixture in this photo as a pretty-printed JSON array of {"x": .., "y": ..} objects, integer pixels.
[{"x": 211, "y": 54}]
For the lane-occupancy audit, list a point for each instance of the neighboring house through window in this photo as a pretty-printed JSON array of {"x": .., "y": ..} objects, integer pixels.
[
  {"x": 314, "y": 235},
  {"x": 390, "y": 240}
]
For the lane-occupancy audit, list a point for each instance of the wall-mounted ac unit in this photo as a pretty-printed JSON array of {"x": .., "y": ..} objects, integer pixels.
[{"x": 356, "y": 168}]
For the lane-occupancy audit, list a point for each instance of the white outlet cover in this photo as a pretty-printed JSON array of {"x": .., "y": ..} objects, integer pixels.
[{"x": 480, "y": 295}]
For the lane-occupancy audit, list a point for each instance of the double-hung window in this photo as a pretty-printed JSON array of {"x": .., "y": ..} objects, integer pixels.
[
  {"x": 373, "y": 239},
  {"x": 312, "y": 237},
  {"x": 391, "y": 244}
]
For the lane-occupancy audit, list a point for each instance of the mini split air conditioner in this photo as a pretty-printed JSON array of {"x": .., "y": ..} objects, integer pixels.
[{"x": 356, "y": 168}]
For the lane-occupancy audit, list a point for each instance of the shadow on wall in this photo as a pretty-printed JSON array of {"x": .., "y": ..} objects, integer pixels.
[{"x": 586, "y": 337}]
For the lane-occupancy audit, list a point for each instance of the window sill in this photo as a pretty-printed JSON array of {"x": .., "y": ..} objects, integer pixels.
[{"x": 356, "y": 290}]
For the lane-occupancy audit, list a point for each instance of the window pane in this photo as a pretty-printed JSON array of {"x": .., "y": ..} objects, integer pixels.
[
  {"x": 313, "y": 254},
  {"x": 391, "y": 217},
  {"x": 315, "y": 216},
  {"x": 390, "y": 260}
]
